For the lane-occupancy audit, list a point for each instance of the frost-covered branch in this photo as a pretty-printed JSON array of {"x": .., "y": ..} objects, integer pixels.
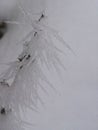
[{"x": 19, "y": 84}]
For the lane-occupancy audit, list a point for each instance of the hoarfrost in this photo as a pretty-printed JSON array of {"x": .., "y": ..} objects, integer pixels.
[{"x": 19, "y": 84}]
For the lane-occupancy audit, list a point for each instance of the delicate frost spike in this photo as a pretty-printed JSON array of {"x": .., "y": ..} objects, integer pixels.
[
  {"x": 25, "y": 73},
  {"x": 44, "y": 50}
]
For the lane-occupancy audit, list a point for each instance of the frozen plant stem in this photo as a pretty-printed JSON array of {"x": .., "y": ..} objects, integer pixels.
[{"x": 19, "y": 83}]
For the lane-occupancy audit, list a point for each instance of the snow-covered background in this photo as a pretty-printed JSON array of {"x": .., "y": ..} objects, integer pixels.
[{"x": 76, "y": 107}]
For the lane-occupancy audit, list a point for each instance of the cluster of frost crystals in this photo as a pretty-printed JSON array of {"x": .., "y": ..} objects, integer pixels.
[{"x": 20, "y": 82}]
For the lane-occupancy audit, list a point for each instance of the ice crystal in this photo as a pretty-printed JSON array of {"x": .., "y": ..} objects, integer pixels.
[{"x": 19, "y": 84}]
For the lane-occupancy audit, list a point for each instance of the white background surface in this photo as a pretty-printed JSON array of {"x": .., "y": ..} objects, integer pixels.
[{"x": 76, "y": 109}]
